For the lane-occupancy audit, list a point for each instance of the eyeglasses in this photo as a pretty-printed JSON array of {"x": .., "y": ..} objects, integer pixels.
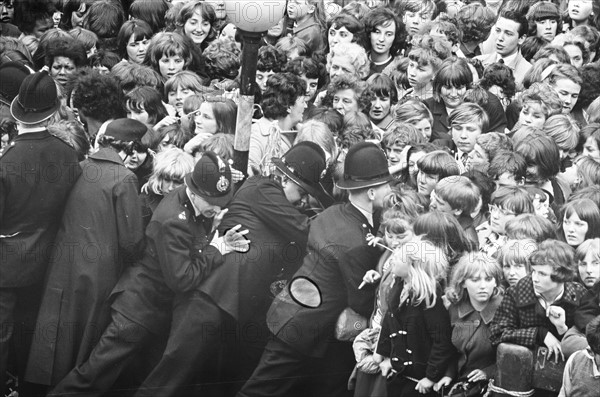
[{"x": 493, "y": 208}]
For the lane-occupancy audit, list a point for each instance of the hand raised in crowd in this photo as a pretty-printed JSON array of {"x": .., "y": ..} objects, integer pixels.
[
  {"x": 196, "y": 141},
  {"x": 554, "y": 348},
  {"x": 168, "y": 120},
  {"x": 236, "y": 240},
  {"x": 557, "y": 316},
  {"x": 371, "y": 277}
]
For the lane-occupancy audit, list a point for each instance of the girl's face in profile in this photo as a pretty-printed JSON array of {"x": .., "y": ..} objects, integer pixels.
[{"x": 137, "y": 114}]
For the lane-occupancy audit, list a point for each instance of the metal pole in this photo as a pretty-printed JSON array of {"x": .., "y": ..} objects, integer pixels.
[{"x": 243, "y": 126}]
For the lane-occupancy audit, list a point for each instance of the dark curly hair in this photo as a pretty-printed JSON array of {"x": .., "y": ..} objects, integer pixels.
[
  {"x": 530, "y": 47},
  {"x": 283, "y": 90},
  {"x": 68, "y": 48},
  {"x": 590, "y": 73},
  {"x": 270, "y": 58},
  {"x": 500, "y": 75},
  {"x": 222, "y": 60},
  {"x": 308, "y": 67},
  {"x": 152, "y": 12},
  {"x": 382, "y": 16},
  {"x": 105, "y": 18},
  {"x": 98, "y": 96},
  {"x": 208, "y": 14}
]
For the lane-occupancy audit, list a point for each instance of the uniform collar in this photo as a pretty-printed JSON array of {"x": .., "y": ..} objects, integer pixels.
[
  {"x": 487, "y": 314},
  {"x": 107, "y": 154}
]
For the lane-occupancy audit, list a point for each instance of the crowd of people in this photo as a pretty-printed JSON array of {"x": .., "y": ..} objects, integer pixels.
[{"x": 422, "y": 185}]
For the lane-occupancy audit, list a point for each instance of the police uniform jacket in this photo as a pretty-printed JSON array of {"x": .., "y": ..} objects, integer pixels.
[
  {"x": 37, "y": 172},
  {"x": 336, "y": 260},
  {"x": 416, "y": 339},
  {"x": 177, "y": 258}
]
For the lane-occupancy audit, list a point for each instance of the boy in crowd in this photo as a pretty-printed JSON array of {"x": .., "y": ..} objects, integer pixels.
[{"x": 467, "y": 122}]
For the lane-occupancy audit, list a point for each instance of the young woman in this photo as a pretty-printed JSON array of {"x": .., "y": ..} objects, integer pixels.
[
  {"x": 580, "y": 221},
  {"x": 415, "y": 341},
  {"x": 309, "y": 22},
  {"x": 133, "y": 40},
  {"x": 197, "y": 20},
  {"x": 345, "y": 28},
  {"x": 385, "y": 37},
  {"x": 514, "y": 259},
  {"x": 214, "y": 115},
  {"x": 63, "y": 57},
  {"x": 169, "y": 53},
  {"x": 474, "y": 294}
]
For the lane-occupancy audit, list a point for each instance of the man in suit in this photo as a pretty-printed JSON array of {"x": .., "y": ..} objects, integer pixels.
[
  {"x": 37, "y": 172},
  {"x": 302, "y": 357},
  {"x": 510, "y": 31}
]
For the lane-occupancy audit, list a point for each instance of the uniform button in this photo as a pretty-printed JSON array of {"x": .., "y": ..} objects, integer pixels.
[
  {"x": 409, "y": 351},
  {"x": 393, "y": 335},
  {"x": 394, "y": 358},
  {"x": 363, "y": 225},
  {"x": 408, "y": 363}
]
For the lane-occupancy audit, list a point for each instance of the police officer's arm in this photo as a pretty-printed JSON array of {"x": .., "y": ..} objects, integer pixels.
[
  {"x": 184, "y": 263},
  {"x": 354, "y": 263}
]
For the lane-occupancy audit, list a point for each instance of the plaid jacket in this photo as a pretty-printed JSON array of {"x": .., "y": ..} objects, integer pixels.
[{"x": 522, "y": 320}]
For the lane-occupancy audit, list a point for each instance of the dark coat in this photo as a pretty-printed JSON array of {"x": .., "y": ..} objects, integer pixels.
[
  {"x": 494, "y": 110},
  {"x": 100, "y": 233},
  {"x": 416, "y": 339},
  {"x": 311, "y": 33},
  {"x": 336, "y": 260},
  {"x": 522, "y": 320},
  {"x": 37, "y": 172},
  {"x": 589, "y": 308},
  {"x": 177, "y": 258},
  {"x": 278, "y": 232},
  {"x": 471, "y": 336}
]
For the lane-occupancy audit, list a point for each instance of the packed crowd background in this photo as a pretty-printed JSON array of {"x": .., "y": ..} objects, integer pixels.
[{"x": 422, "y": 185}]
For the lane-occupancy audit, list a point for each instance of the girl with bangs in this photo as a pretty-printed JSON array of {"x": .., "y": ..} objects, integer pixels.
[
  {"x": 474, "y": 295},
  {"x": 514, "y": 259},
  {"x": 450, "y": 86},
  {"x": 415, "y": 14},
  {"x": 415, "y": 344},
  {"x": 133, "y": 40},
  {"x": 580, "y": 221},
  {"x": 170, "y": 167},
  {"x": 169, "y": 53},
  {"x": 386, "y": 37}
]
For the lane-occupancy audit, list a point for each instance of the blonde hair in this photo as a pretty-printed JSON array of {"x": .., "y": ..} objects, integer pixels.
[
  {"x": 470, "y": 265},
  {"x": 517, "y": 251},
  {"x": 171, "y": 164},
  {"x": 428, "y": 265},
  {"x": 357, "y": 55}
]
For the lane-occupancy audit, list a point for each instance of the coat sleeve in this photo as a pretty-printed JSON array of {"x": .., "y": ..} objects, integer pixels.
[
  {"x": 183, "y": 266},
  {"x": 505, "y": 327},
  {"x": 437, "y": 321},
  {"x": 353, "y": 264},
  {"x": 128, "y": 210},
  {"x": 384, "y": 343}
]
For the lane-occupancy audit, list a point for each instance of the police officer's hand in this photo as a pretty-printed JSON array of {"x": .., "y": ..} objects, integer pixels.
[{"x": 235, "y": 239}]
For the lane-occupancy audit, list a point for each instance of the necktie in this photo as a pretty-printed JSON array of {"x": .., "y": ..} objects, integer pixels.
[{"x": 464, "y": 158}]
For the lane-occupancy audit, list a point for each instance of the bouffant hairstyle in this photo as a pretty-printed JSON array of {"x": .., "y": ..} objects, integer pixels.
[
  {"x": 557, "y": 254},
  {"x": 270, "y": 58},
  {"x": 454, "y": 72},
  {"x": 152, "y": 12},
  {"x": 68, "y": 48},
  {"x": 105, "y": 18},
  {"x": 588, "y": 172},
  {"x": 500, "y": 75},
  {"x": 401, "y": 134},
  {"x": 447, "y": 28},
  {"x": 542, "y": 11},
  {"x": 429, "y": 50},
  {"x": 475, "y": 21},
  {"x": 564, "y": 71},
  {"x": 357, "y": 55},
  {"x": 206, "y": 11},
  {"x": 471, "y": 265},
  {"x": 382, "y": 16},
  {"x": 530, "y": 226},
  {"x": 535, "y": 74},
  {"x": 98, "y": 96},
  {"x": 288, "y": 45},
  {"x": 139, "y": 29},
  {"x": 541, "y": 151},
  {"x": 577, "y": 41},
  {"x": 351, "y": 23},
  {"x": 544, "y": 95},
  {"x": 282, "y": 92},
  {"x": 104, "y": 58}
]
